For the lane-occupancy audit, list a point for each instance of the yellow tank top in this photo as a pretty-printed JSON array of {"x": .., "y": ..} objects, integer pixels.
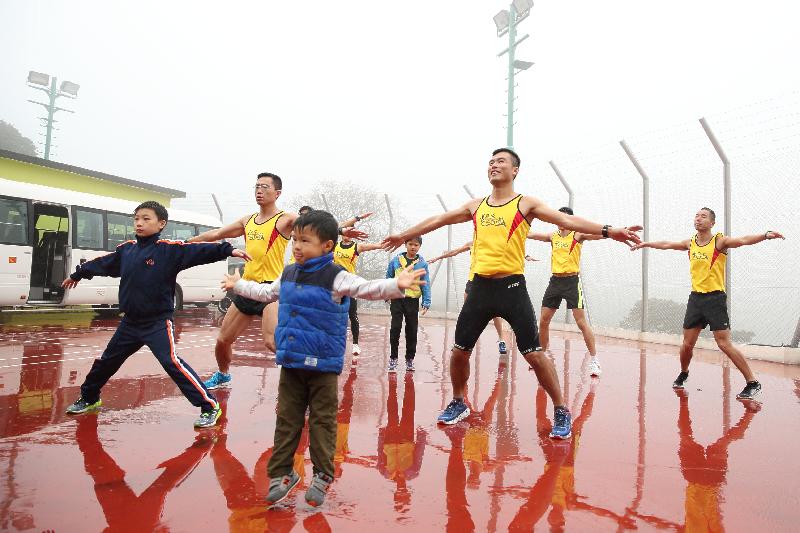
[
  {"x": 707, "y": 266},
  {"x": 412, "y": 292},
  {"x": 566, "y": 255},
  {"x": 265, "y": 244},
  {"x": 346, "y": 255},
  {"x": 498, "y": 245}
]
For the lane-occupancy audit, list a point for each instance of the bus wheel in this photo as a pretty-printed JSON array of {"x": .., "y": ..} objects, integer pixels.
[{"x": 178, "y": 298}]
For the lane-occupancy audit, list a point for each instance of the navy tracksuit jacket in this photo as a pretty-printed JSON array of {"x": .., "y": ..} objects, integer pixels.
[{"x": 147, "y": 268}]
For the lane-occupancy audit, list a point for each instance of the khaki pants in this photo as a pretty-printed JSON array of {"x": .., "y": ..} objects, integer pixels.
[{"x": 297, "y": 390}]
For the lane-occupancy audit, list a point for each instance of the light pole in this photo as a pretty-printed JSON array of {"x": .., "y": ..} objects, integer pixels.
[
  {"x": 506, "y": 21},
  {"x": 43, "y": 82}
]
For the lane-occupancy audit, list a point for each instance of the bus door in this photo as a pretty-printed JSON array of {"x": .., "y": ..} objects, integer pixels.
[
  {"x": 89, "y": 242},
  {"x": 50, "y": 252},
  {"x": 15, "y": 251}
]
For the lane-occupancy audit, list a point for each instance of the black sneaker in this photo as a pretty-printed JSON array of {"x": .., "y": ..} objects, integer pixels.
[
  {"x": 680, "y": 381},
  {"x": 750, "y": 391},
  {"x": 81, "y": 406}
]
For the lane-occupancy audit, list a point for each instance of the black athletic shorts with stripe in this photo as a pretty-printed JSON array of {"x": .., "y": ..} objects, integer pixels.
[
  {"x": 247, "y": 306},
  {"x": 707, "y": 309},
  {"x": 504, "y": 297},
  {"x": 564, "y": 287}
]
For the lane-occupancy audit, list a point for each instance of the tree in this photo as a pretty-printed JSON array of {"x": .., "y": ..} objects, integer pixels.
[{"x": 11, "y": 139}]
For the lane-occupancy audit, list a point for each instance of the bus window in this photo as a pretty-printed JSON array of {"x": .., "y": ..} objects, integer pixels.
[
  {"x": 89, "y": 230},
  {"x": 178, "y": 231},
  {"x": 120, "y": 229},
  {"x": 13, "y": 221}
]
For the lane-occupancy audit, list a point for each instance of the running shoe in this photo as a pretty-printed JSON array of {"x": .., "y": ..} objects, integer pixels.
[
  {"x": 280, "y": 487},
  {"x": 562, "y": 426},
  {"x": 455, "y": 411},
  {"x": 356, "y": 350},
  {"x": 409, "y": 365},
  {"x": 392, "y": 365},
  {"x": 208, "y": 418},
  {"x": 218, "y": 380},
  {"x": 750, "y": 391},
  {"x": 318, "y": 488},
  {"x": 81, "y": 406},
  {"x": 680, "y": 381},
  {"x": 501, "y": 347},
  {"x": 594, "y": 368}
]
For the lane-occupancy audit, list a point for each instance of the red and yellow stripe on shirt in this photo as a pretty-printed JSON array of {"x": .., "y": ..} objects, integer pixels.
[
  {"x": 265, "y": 244},
  {"x": 566, "y": 255},
  {"x": 707, "y": 266},
  {"x": 498, "y": 245},
  {"x": 346, "y": 255}
]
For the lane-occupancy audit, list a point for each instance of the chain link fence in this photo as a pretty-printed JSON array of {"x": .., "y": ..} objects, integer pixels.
[{"x": 683, "y": 171}]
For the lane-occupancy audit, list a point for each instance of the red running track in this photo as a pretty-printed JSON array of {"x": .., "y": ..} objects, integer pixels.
[{"x": 642, "y": 457}]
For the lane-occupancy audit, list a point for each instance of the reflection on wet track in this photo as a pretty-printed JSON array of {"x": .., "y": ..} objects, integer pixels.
[{"x": 641, "y": 457}]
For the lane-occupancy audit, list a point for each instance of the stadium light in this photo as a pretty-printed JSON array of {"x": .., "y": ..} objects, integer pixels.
[
  {"x": 69, "y": 88},
  {"x": 38, "y": 78},
  {"x": 522, "y": 65},
  {"x": 43, "y": 82},
  {"x": 506, "y": 22},
  {"x": 501, "y": 21}
]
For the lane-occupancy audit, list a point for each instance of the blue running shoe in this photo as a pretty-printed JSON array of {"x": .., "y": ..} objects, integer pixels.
[
  {"x": 218, "y": 380},
  {"x": 456, "y": 411},
  {"x": 562, "y": 427},
  {"x": 501, "y": 347}
]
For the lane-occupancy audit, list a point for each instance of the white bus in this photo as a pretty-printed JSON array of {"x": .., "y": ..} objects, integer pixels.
[{"x": 46, "y": 232}]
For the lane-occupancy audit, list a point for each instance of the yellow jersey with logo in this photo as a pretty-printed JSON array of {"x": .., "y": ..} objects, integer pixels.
[
  {"x": 498, "y": 244},
  {"x": 412, "y": 292},
  {"x": 707, "y": 265},
  {"x": 265, "y": 244},
  {"x": 346, "y": 255},
  {"x": 566, "y": 255}
]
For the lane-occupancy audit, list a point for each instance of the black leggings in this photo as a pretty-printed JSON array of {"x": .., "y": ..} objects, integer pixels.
[
  {"x": 353, "y": 313},
  {"x": 401, "y": 308}
]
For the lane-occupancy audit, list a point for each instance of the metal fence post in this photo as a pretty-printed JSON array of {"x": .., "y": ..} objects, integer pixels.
[
  {"x": 726, "y": 181},
  {"x": 646, "y": 236},
  {"x": 325, "y": 203},
  {"x": 449, "y": 260},
  {"x": 391, "y": 216}
]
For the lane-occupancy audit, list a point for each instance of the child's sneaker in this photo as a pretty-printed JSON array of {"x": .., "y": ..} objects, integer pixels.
[
  {"x": 392, "y": 365},
  {"x": 409, "y": 365},
  {"x": 501, "y": 347},
  {"x": 562, "y": 425},
  {"x": 356, "y": 350},
  {"x": 455, "y": 411},
  {"x": 218, "y": 380},
  {"x": 750, "y": 391},
  {"x": 279, "y": 487},
  {"x": 81, "y": 406},
  {"x": 208, "y": 418},
  {"x": 318, "y": 488}
]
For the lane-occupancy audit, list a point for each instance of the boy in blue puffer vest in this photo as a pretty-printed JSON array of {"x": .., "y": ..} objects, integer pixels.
[
  {"x": 147, "y": 268},
  {"x": 314, "y": 295}
]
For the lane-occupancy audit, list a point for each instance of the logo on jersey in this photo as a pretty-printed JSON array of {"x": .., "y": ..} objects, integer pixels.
[
  {"x": 255, "y": 235},
  {"x": 699, "y": 256},
  {"x": 149, "y": 262},
  {"x": 561, "y": 244},
  {"x": 490, "y": 219}
]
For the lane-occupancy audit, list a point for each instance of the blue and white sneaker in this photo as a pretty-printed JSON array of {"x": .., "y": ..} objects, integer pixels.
[
  {"x": 562, "y": 426},
  {"x": 218, "y": 380},
  {"x": 501, "y": 347},
  {"x": 455, "y": 411}
]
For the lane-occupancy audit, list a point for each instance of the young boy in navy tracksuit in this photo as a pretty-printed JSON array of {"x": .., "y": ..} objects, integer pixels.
[
  {"x": 147, "y": 268},
  {"x": 408, "y": 308},
  {"x": 314, "y": 295}
]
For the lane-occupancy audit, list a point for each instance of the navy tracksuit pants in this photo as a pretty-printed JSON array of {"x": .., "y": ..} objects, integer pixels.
[{"x": 158, "y": 336}]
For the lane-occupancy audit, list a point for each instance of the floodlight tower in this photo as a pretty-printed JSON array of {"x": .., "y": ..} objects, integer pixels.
[
  {"x": 43, "y": 82},
  {"x": 506, "y": 21}
]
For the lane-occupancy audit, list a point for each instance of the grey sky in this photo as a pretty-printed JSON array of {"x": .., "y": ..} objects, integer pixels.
[{"x": 200, "y": 96}]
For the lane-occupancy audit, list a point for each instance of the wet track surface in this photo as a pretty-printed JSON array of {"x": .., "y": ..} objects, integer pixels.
[{"x": 641, "y": 457}]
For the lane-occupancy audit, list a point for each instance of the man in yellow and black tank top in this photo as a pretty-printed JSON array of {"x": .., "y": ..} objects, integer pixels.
[
  {"x": 707, "y": 305},
  {"x": 565, "y": 284},
  {"x": 500, "y": 225},
  {"x": 346, "y": 253}
]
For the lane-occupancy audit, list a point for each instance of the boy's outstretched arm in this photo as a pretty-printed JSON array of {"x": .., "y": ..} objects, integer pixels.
[
  {"x": 202, "y": 253},
  {"x": 347, "y": 284},
  {"x": 106, "y": 265},
  {"x": 261, "y": 292}
]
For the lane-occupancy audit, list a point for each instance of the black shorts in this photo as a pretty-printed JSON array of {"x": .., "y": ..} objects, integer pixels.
[
  {"x": 468, "y": 286},
  {"x": 504, "y": 297},
  {"x": 247, "y": 306},
  {"x": 707, "y": 309},
  {"x": 568, "y": 288}
]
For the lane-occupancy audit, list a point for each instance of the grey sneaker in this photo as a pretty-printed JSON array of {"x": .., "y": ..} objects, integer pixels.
[
  {"x": 409, "y": 365},
  {"x": 208, "y": 418},
  {"x": 750, "y": 391},
  {"x": 392, "y": 365},
  {"x": 81, "y": 406},
  {"x": 318, "y": 488},
  {"x": 280, "y": 487}
]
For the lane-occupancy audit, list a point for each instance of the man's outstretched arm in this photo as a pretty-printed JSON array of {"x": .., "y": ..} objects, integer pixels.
[{"x": 456, "y": 216}]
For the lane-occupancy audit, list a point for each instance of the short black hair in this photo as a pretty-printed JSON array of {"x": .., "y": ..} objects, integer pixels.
[
  {"x": 160, "y": 210},
  {"x": 277, "y": 182},
  {"x": 320, "y": 222},
  {"x": 710, "y": 212},
  {"x": 305, "y": 209},
  {"x": 567, "y": 210},
  {"x": 415, "y": 238},
  {"x": 514, "y": 155}
]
